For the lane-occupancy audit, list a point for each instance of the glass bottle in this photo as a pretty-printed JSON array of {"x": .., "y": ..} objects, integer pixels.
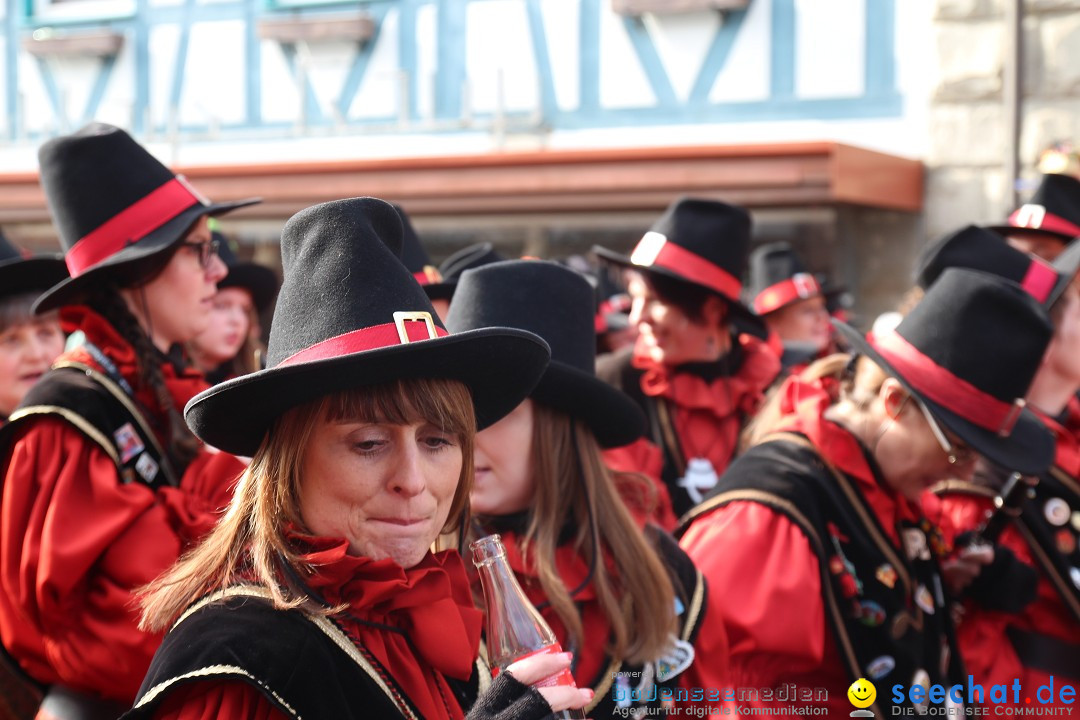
[{"x": 514, "y": 628}]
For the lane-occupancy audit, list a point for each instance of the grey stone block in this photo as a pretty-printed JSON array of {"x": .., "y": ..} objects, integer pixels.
[
  {"x": 969, "y": 59},
  {"x": 1046, "y": 121},
  {"x": 966, "y": 134},
  {"x": 1059, "y": 43},
  {"x": 968, "y": 9},
  {"x": 958, "y": 196}
]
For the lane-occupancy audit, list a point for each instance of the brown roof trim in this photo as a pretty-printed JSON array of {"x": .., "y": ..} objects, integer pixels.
[{"x": 761, "y": 175}]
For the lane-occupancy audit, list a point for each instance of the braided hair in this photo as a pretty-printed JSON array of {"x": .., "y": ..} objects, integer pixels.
[{"x": 181, "y": 446}]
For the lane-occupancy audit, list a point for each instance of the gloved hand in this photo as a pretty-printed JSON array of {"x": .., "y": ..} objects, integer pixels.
[{"x": 512, "y": 697}]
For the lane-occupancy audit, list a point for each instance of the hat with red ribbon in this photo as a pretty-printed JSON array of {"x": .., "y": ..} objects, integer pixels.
[
  {"x": 414, "y": 256},
  {"x": 779, "y": 278},
  {"x": 969, "y": 351},
  {"x": 117, "y": 209},
  {"x": 980, "y": 249},
  {"x": 21, "y": 272},
  {"x": 350, "y": 314},
  {"x": 1053, "y": 211},
  {"x": 701, "y": 242}
]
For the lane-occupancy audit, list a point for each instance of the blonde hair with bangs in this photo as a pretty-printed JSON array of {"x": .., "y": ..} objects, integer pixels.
[{"x": 249, "y": 543}]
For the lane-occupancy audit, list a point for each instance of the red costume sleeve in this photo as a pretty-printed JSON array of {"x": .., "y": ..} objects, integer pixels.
[
  {"x": 76, "y": 544},
  {"x": 759, "y": 566},
  {"x": 217, "y": 700},
  {"x": 765, "y": 593},
  {"x": 644, "y": 458}
]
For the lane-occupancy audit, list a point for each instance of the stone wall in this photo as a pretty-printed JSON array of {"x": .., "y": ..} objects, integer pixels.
[{"x": 966, "y": 172}]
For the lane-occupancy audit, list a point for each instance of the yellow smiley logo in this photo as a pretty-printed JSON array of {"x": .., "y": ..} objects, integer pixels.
[{"x": 862, "y": 693}]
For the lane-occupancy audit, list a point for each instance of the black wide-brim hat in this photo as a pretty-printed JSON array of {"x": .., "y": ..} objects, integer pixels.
[
  {"x": 556, "y": 303},
  {"x": 949, "y": 353},
  {"x": 257, "y": 279},
  {"x": 699, "y": 242},
  {"x": 1052, "y": 212},
  {"x": 779, "y": 278},
  {"x": 467, "y": 258},
  {"x": 260, "y": 281},
  {"x": 980, "y": 249},
  {"x": 349, "y": 315},
  {"x": 116, "y": 208},
  {"x": 28, "y": 273}
]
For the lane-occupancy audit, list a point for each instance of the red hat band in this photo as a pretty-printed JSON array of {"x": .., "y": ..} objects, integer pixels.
[
  {"x": 800, "y": 286},
  {"x": 428, "y": 276},
  {"x": 654, "y": 250},
  {"x": 408, "y": 327},
  {"x": 1036, "y": 218},
  {"x": 1040, "y": 279},
  {"x": 951, "y": 392},
  {"x": 131, "y": 225}
]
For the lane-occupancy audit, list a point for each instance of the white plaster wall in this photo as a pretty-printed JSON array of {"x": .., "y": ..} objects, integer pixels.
[
  {"x": 118, "y": 101},
  {"x": 379, "y": 92},
  {"x": 830, "y": 48},
  {"x": 682, "y": 42},
  {"x": 562, "y": 28},
  {"x": 500, "y": 63},
  {"x": 164, "y": 42},
  {"x": 37, "y": 109},
  {"x": 745, "y": 76},
  {"x": 215, "y": 83},
  {"x": 280, "y": 93},
  {"x": 328, "y": 65},
  {"x": 214, "y": 77},
  {"x": 623, "y": 83},
  {"x": 427, "y": 54}
]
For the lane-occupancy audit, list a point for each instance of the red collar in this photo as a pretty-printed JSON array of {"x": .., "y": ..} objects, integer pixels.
[
  {"x": 182, "y": 386},
  {"x": 803, "y": 405},
  {"x": 430, "y": 602},
  {"x": 742, "y": 391}
]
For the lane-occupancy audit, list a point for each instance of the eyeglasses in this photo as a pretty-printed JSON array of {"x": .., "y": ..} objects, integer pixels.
[
  {"x": 207, "y": 250},
  {"x": 959, "y": 454}
]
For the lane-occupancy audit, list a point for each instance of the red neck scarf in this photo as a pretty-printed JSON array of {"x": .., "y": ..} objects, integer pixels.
[
  {"x": 181, "y": 386},
  {"x": 803, "y": 405},
  {"x": 430, "y": 603},
  {"x": 709, "y": 414}
]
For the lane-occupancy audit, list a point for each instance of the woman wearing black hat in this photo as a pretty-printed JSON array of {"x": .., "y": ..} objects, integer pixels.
[
  {"x": 318, "y": 596},
  {"x": 1023, "y": 622},
  {"x": 792, "y": 304},
  {"x": 696, "y": 369},
  {"x": 1049, "y": 221},
  {"x": 229, "y": 346},
  {"x": 824, "y": 514},
  {"x": 103, "y": 484},
  {"x": 627, "y": 602},
  {"x": 28, "y": 343}
]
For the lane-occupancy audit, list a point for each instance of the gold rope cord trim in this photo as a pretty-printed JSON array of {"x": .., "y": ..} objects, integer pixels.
[
  {"x": 962, "y": 486},
  {"x": 215, "y": 670},
  {"x": 322, "y": 623},
  {"x": 696, "y": 601},
  {"x": 1063, "y": 477},
  {"x": 118, "y": 393},
  {"x": 82, "y": 424}
]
